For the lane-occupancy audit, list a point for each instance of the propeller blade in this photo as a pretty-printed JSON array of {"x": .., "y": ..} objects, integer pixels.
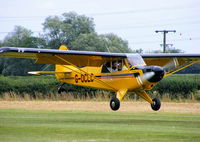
[
  {"x": 171, "y": 64},
  {"x": 146, "y": 76}
]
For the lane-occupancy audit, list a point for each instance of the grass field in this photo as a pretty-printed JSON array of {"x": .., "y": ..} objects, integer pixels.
[{"x": 18, "y": 125}]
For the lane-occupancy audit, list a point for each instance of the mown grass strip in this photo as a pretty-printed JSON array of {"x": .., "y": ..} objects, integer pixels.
[{"x": 62, "y": 126}]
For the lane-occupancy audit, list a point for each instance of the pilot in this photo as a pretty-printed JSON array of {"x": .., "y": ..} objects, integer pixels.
[
  {"x": 115, "y": 66},
  {"x": 120, "y": 65}
]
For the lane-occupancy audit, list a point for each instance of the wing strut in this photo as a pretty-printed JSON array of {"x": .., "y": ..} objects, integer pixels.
[{"x": 144, "y": 95}]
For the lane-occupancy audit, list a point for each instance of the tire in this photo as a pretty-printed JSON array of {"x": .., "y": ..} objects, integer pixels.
[
  {"x": 157, "y": 104},
  {"x": 114, "y": 104},
  {"x": 60, "y": 90}
]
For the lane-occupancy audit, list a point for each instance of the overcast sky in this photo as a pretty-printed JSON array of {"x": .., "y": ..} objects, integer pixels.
[{"x": 132, "y": 20}]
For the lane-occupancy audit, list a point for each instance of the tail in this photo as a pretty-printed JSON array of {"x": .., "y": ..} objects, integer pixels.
[{"x": 63, "y": 47}]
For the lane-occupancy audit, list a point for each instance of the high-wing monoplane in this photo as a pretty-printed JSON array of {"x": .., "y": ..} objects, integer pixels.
[{"x": 118, "y": 72}]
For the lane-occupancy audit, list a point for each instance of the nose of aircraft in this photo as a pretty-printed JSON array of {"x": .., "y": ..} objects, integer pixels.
[{"x": 158, "y": 73}]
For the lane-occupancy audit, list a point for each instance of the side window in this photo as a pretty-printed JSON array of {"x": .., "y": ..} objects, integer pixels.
[
  {"x": 106, "y": 68},
  {"x": 114, "y": 66},
  {"x": 122, "y": 65}
]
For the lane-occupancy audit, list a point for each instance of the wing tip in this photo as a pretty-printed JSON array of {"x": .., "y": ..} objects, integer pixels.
[{"x": 4, "y": 49}]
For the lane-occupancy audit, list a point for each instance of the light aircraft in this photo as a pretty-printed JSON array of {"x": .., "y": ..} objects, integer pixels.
[{"x": 118, "y": 72}]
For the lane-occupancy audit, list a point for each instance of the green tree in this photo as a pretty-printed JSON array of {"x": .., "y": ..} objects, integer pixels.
[
  {"x": 65, "y": 29},
  {"x": 89, "y": 42},
  {"x": 34, "y": 42},
  {"x": 174, "y": 50},
  {"x": 75, "y": 31},
  {"x": 17, "y": 37},
  {"x": 115, "y": 44},
  {"x": 1, "y": 43},
  {"x": 20, "y": 37},
  {"x": 169, "y": 50},
  {"x": 101, "y": 43}
]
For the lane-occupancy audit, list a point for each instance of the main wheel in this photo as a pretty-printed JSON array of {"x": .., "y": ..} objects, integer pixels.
[
  {"x": 156, "y": 105},
  {"x": 114, "y": 103}
]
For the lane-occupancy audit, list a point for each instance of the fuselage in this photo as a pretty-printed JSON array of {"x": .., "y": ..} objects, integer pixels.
[{"x": 93, "y": 77}]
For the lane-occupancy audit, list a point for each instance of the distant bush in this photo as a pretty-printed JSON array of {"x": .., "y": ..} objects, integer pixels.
[
  {"x": 39, "y": 87},
  {"x": 179, "y": 86},
  {"x": 30, "y": 84}
]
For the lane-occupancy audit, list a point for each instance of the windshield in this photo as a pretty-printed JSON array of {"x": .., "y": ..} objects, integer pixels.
[{"x": 135, "y": 59}]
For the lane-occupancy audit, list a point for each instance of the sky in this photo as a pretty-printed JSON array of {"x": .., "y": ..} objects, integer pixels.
[{"x": 133, "y": 20}]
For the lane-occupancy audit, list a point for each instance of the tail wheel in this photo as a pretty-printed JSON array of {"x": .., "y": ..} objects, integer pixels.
[
  {"x": 156, "y": 105},
  {"x": 114, "y": 103},
  {"x": 61, "y": 89}
]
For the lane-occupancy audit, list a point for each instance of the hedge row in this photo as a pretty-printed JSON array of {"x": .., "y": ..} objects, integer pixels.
[
  {"x": 179, "y": 85},
  {"x": 175, "y": 86}
]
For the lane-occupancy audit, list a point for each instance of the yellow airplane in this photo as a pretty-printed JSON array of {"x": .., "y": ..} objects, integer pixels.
[{"x": 118, "y": 72}]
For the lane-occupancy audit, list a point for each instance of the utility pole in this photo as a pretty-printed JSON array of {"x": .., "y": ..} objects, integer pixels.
[{"x": 164, "y": 37}]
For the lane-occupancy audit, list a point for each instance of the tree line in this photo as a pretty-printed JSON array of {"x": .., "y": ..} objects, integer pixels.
[{"x": 75, "y": 31}]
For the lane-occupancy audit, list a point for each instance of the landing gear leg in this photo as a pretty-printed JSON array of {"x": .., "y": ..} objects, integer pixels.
[{"x": 61, "y": 89}]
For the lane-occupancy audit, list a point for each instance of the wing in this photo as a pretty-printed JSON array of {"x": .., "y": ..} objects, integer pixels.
[
  {"x": 172, "y": 62},
  {"x": 87, "y": 58},
  {"x": 65, "y": 57}
]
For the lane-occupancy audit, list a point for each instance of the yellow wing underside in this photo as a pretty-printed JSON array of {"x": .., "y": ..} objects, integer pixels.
[{"x": 179, "y": 63}]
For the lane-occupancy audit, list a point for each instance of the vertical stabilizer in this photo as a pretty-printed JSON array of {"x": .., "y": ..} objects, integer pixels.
[
  {"x": 62, "y": 68},
  {"x": 63, "y": 47}
]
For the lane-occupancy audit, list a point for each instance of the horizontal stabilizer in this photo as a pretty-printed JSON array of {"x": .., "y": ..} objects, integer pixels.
[
  {"x": 46, "y": 72},
  {"x": 41, "y": 72}
]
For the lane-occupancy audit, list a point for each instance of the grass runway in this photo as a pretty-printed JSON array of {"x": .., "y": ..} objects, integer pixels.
[{"x": 19, "y": 125}]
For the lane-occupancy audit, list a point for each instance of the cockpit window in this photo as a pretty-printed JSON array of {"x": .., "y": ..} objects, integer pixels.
[
  {"x": 132, "y": 60},
  {"x": 135, "y": 59},
  {"x": 114, "y": 66}
]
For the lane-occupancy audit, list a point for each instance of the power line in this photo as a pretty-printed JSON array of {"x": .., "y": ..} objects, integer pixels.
[
  {"x": 20, "y": 17},
  {"x": 141, "y": 11},
  {"x": 122, "y": 27},
  {"x": 14, "y": 32},
  {"x": 109, "y": 13}
]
